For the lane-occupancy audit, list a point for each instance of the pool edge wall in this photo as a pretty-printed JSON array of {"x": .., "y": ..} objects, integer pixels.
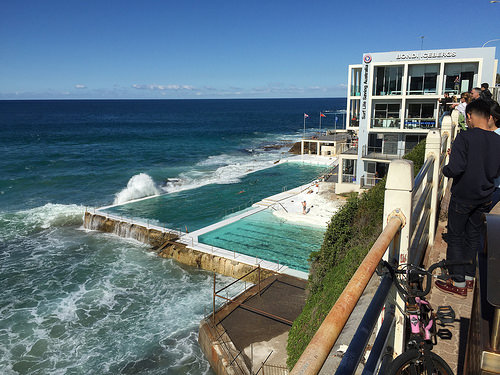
[{"x": 167, "y": 246}]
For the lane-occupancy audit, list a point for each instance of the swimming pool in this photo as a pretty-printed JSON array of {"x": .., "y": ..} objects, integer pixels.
[
  {"x": 267, "y": 237},
  {"x": 197, "y": 208}
]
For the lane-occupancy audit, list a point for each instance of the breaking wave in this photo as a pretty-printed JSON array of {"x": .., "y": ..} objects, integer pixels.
[
  {"x": 229, "y": 169},
  {"x": 139, "y": 186}
]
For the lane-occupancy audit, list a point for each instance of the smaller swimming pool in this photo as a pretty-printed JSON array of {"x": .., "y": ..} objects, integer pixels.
[{"x": 267, "y": 237}]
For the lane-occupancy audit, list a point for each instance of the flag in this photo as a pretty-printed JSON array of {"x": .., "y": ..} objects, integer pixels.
[
  {"x": 321, "y": 115},
  {"x": 306, "y": 115}
]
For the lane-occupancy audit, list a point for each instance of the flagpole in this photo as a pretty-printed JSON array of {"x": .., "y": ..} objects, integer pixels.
[
  {"x": 304, "y": 126},
  {"x": 320, "y": 123}
]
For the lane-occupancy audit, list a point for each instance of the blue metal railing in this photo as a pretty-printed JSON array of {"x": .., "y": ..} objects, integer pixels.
[{"x": 352, "y": 356}]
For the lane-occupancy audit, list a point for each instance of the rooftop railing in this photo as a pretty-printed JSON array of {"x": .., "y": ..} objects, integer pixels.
[{"x": 410, "y": 212}]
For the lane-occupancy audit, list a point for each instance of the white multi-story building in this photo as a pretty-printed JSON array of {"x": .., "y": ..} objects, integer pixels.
[{"x": 392, "y": 102}]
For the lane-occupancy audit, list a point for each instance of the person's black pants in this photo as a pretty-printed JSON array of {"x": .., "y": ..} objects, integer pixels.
[{"x": 464, "y": 226}]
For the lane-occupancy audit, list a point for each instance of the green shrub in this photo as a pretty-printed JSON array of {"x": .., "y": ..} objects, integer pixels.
[{"x": 417, "y": 156}]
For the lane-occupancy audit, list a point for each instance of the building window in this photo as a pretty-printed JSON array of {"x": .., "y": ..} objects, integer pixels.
[
  {"x": 422, "y": 79},
  {"x": 420, "y": 116},
  {"x": 386, "y": 115},
  {"x": 390, "y": 146},
  {"x": 349, "y": 170},
  {"x": 356, "y": 82},
  {"x": 388, "y": 80},
  {"x": 354, "y": 113},
  {"x": 460, "y": 77},
  {"x": 375, "y": 141}
]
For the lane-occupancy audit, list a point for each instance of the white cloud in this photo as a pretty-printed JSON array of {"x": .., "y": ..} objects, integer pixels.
[
  {"x": 80, "y": 86},
  {"x": 154, "y": 87}
]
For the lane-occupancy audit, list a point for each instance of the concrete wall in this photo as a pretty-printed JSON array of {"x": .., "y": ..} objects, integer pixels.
[
  {"x": 328, "y": 150},
  {"x": 219, "y": 357},
  {"x": 166, "y": 246},
  {"x": 343, "y": 187}
]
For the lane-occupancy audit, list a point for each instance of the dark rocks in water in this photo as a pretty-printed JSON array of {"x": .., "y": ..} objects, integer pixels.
[
  {"x": 295, "y": 149},
  {"x": 272, "y": 147}
]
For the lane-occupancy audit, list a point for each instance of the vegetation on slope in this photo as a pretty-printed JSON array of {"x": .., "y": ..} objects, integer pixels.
[{"x": 348, "y": 238}]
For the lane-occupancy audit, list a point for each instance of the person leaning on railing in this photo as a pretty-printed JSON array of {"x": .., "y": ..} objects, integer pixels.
[
  {"x": 465, "y": 99},
  {"x": 445, "y": 102},
  {"x": 474, "y": 164}
]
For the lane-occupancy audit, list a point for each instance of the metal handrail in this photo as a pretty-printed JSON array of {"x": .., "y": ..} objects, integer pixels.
[
  {"x": 416, "y": 257},
  {"x": 315, "y": 354},
  {"x": 223, "y": 345},
  {"x": 423, "y": 172},
  {"x": 356, "y": 348},
  {"x": 423, "y": 199}
]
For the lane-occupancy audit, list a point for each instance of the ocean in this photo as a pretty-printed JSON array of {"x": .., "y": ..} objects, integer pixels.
[{"x": 82, "y": 302}]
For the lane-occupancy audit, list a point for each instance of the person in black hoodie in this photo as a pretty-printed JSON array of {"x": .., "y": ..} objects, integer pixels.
[
  {"x": 485, "y": 92},
  {"x": 474, "y": 164}
]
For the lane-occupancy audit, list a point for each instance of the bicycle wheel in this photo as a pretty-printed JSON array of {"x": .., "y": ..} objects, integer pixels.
[{"x": 411, "y": 362}]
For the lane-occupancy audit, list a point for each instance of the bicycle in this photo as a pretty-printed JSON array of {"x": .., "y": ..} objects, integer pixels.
[{"x": 418, "y": 357}]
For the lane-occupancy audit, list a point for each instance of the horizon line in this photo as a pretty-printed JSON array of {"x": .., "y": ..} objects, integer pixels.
[{"x": 159, "y": 99}]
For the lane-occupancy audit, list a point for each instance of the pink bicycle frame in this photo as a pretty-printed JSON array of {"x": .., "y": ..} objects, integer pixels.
[{"x": 416, "y": 324}]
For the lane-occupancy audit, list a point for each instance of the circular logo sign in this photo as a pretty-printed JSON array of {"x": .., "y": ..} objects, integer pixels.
[{"x": 367, "y": 59}]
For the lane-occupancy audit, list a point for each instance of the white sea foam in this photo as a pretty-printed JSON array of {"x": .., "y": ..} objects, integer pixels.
[
  {"x": 50, "y": 215},
  {"x": 139, "y": 186},
  {"x": 229, "y": 169}
]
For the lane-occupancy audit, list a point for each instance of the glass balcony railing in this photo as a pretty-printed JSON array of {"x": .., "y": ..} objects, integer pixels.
[
  {"x": 422, "y": 92},
  {"x": 369, "y": 180},
  {"x": 385, "y": 93},
  {"x": 348, "y": 178},
  {"x": 387, "y": 153},
  {"x": 420, "y": 123},
  {"x": 385, "y": 123}
]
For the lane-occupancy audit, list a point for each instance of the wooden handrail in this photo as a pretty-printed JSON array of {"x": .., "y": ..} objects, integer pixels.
[{"x": 314, "y": 356}]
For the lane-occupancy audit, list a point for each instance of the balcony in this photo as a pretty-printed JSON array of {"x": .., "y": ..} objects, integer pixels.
[
  {"x": 420, "y": 123},
  {"x": 385, "y": 123},
  {"x": 378, "y": 153}
]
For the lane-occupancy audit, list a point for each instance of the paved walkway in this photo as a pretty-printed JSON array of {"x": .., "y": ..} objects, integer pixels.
[{"x": 452, "y": 351}]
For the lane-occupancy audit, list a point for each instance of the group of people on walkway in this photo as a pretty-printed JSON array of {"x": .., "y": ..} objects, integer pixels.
[
  {"x": 474, "y": 166},
  {"x": 449, "y": 103}
]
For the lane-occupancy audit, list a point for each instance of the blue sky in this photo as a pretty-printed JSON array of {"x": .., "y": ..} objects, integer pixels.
[{"x": 217, "y": 49}]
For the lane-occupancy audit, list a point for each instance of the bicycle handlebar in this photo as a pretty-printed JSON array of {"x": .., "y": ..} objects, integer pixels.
[{"x": 443, "y": 264}]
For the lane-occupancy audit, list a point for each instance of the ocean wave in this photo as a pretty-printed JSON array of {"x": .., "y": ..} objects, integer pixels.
[
  {"x": 139, "y": 186},
  {"x": 39, "y": 218},
  {"x": 229, "y": 169}
]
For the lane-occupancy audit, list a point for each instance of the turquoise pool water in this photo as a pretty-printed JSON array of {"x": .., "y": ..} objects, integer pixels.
[
  {"x": 270, "y": 238},
  {"x": 206, "y": 205}
]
